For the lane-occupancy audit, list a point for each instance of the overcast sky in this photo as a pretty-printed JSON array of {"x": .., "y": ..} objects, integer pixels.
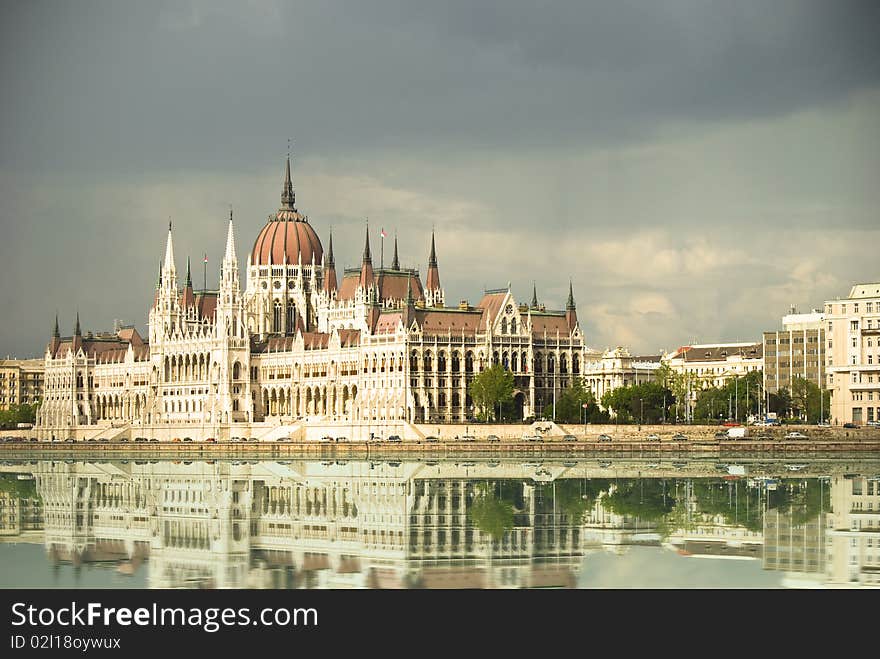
[{"x": 694, "y": 167}]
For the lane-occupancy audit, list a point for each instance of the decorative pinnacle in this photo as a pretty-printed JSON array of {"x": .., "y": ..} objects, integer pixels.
[
  {"x": 56, "y": 333},
  {"x": 189, "y": 282},
  {"x": 330, "y": 261},
  {"x": 367, "y": 257},
  {"x": 288, "y": 197},
  {"x": 432, "y": 259},
  {"x": 570, "y": 303},
  {"x": 534, "y": 303},
  {"x": 76, "y": 330},
  {"x": 395, "y": 262}
]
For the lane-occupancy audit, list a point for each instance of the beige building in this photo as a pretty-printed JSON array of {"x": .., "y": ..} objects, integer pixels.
[
  {"x": 608, "y": 370},
  {"x": 852, "y": 334},
  {"x": 797, "y": 350},
  {"x": 21, "y": 382},
  {"x": 854, "y": 532},
  {"x": 713, "y": 364}
]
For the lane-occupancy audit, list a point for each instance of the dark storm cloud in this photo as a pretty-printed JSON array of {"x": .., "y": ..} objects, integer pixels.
[
  {"x": 694, "y": 167},
  {"x": 142, "y": 86}
]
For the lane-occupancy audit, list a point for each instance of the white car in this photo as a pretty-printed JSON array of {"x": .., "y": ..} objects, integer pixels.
[{"x": 794, "y": 434}]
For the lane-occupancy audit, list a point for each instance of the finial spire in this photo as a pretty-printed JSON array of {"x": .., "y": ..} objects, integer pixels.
[
  {"x": 189, "y": 282},
  {"x": 76, "y": 330},
  {"x": 432, "y": 259},
  {"x": 288, "y": 198},
  {"x": 330, "y": 260},
  {"x": 56, "y": 332},
  {"x": 367, "y": 257},
  {"x": 570, "y": 304},
  {"x": 395, "y": 262},
  {"x": 534, "y": 303}
]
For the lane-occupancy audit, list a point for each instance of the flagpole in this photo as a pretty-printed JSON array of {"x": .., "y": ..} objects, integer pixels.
[
  {"x": 205, "y": 263},
  {"x": 382, "y": 248}
]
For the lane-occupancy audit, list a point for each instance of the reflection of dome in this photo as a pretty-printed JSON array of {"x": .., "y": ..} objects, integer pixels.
[{"x": 287, "y": 234}]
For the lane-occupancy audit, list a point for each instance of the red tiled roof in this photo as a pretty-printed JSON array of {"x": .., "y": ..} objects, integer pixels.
[
  {"x": 392, "y": 285},
  {"x": 387, "y": 322},
  {"x": 290, "y": 235},
  {"x": 206, "y": 303},
  {"x": 349, "y": 337},
  {"x": 491, "y": 304},
  {"x": 441, "y": 320},
  {"x": 550, "y": 324}
]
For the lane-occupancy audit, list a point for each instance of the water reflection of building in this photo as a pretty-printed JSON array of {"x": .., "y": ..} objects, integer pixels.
[
  {"x": 302, "y": 525},
  {"x": 19, "y": 516},
  {"x": 854, "y": 532}
]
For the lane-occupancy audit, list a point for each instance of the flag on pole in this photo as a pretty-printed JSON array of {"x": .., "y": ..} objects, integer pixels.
[
  {"x": 206, "y": 257},
  {"x": 382, "y": 232}
]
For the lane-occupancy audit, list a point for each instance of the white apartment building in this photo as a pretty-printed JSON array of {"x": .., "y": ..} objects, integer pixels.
[{"x": 852, "y": 334}]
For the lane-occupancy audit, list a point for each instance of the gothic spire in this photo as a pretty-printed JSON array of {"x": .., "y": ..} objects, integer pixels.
[
  {"x": 570, "y": 303},
  {"x": 432, "y": 259},
  {"x": 433, "y": 280},
  {"x": 189, "y": 282},
  {"x": 367, "y": 257},
  {"x": 534, "y": 304},
  {"x": 76, "y": 330},
  {"x": 330, "y": 260},
  {"x": 395, "y": 262},
  {"x": 229, "y": 255},
  {"x": 56, "y": 333},
  {"x": 159, "y": 280},
  {"x": 169, "y": 252},
  {"x": 288, "y": 197}
]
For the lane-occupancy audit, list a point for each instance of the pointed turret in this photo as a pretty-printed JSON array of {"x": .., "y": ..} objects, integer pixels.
[
  {"x": 433, "y": 281},
  {"x": 534, "y": 302},
  {"x": 288, "y": 197},
  {"x": 229, "y": 287},
  {"x": 229, "y": 255},
  {"x": 56, "y": 332},
  {"x": 168, "y": 264},
  {"x": 76, "y": 330},
  {"x": 570, "y": 309},
  {"x": 330, "y": 283},
  {"x": 395, "y": 262},
  {"x": 188, "y": 299},
  {"x": 367, "y": 279}
]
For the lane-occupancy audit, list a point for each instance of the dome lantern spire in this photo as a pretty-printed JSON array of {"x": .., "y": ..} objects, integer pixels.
[{"x": 288, "y": 197}]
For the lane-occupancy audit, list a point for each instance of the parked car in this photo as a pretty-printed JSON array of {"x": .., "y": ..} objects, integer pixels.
[
  {"x": 468, "y": 438},
  {"x": 873, "y": 424},
  {"x": 326, "y": 438},
  {"x": 70, "y": 440},
  {"x": 604, "y": 438},
  {"x": 722, "y": 435},
  {"x": 530, "y": 438},
  {"x": 211, "y": 440},
  {"x": 569, "y": 438},
  {"x": 394, "y": 438},
  {"x": 432, "y": 438},
  {"x": 140, "y": 439},
  {"x": 342, "y": 439},
  {"x": 679, "y": 437},
  {"x": 283, "y": 439},
  {"x": 123, "y": 439},
  {"x": 154, "y": 440},
  {"x": 91, "y": 439},
  {"x": 653, "y": 437},
  {"x": 493, "y": 438},
  {"x": 849, "y": 424},
  {"x": 104, "y": 440},
  {"x": 794, "y": 434},
  {"x": 187, "y": 439},
  {"x": 176, "y": 440}
]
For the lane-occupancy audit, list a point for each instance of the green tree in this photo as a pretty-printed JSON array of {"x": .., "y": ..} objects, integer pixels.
[
  {"x": 644, "y": 498},
  {"x": 16, "y": 414},
  {"x": 808, "y": 402},
  {"x": 569, "y": 404},
  {"x": 491, "y": 389},
  {"x": 648, "y": 402},
  {"x": 490, "y": 513}
]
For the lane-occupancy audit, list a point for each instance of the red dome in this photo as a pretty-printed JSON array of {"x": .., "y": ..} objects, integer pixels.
[{"x": 287, "y": 234}]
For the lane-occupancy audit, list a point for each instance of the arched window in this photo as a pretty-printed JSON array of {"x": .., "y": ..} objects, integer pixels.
[
  {"x": 505, "y": 360},
  {"x": 236, "y": 371},
  {"x": 290, "y": 326},
  {"x": 428, "y": 362},
  {"x": 276, "y": 317},
  {"x": 513, "y": 325},
  {"x": 514, "y": 362},
  {"x": 563, "y": 364},
  {"x": 551, "y": 365},
  {"x": 414, "y": 361},
  {"x": 441, "y": 361},
  {"x": 504, "y": 325},
  {"x": 575, "y": 364},
  {"x": 456, "y": 365},
  {"x": 539, "y": 362},
  {"x": 469, "y": 362}
]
